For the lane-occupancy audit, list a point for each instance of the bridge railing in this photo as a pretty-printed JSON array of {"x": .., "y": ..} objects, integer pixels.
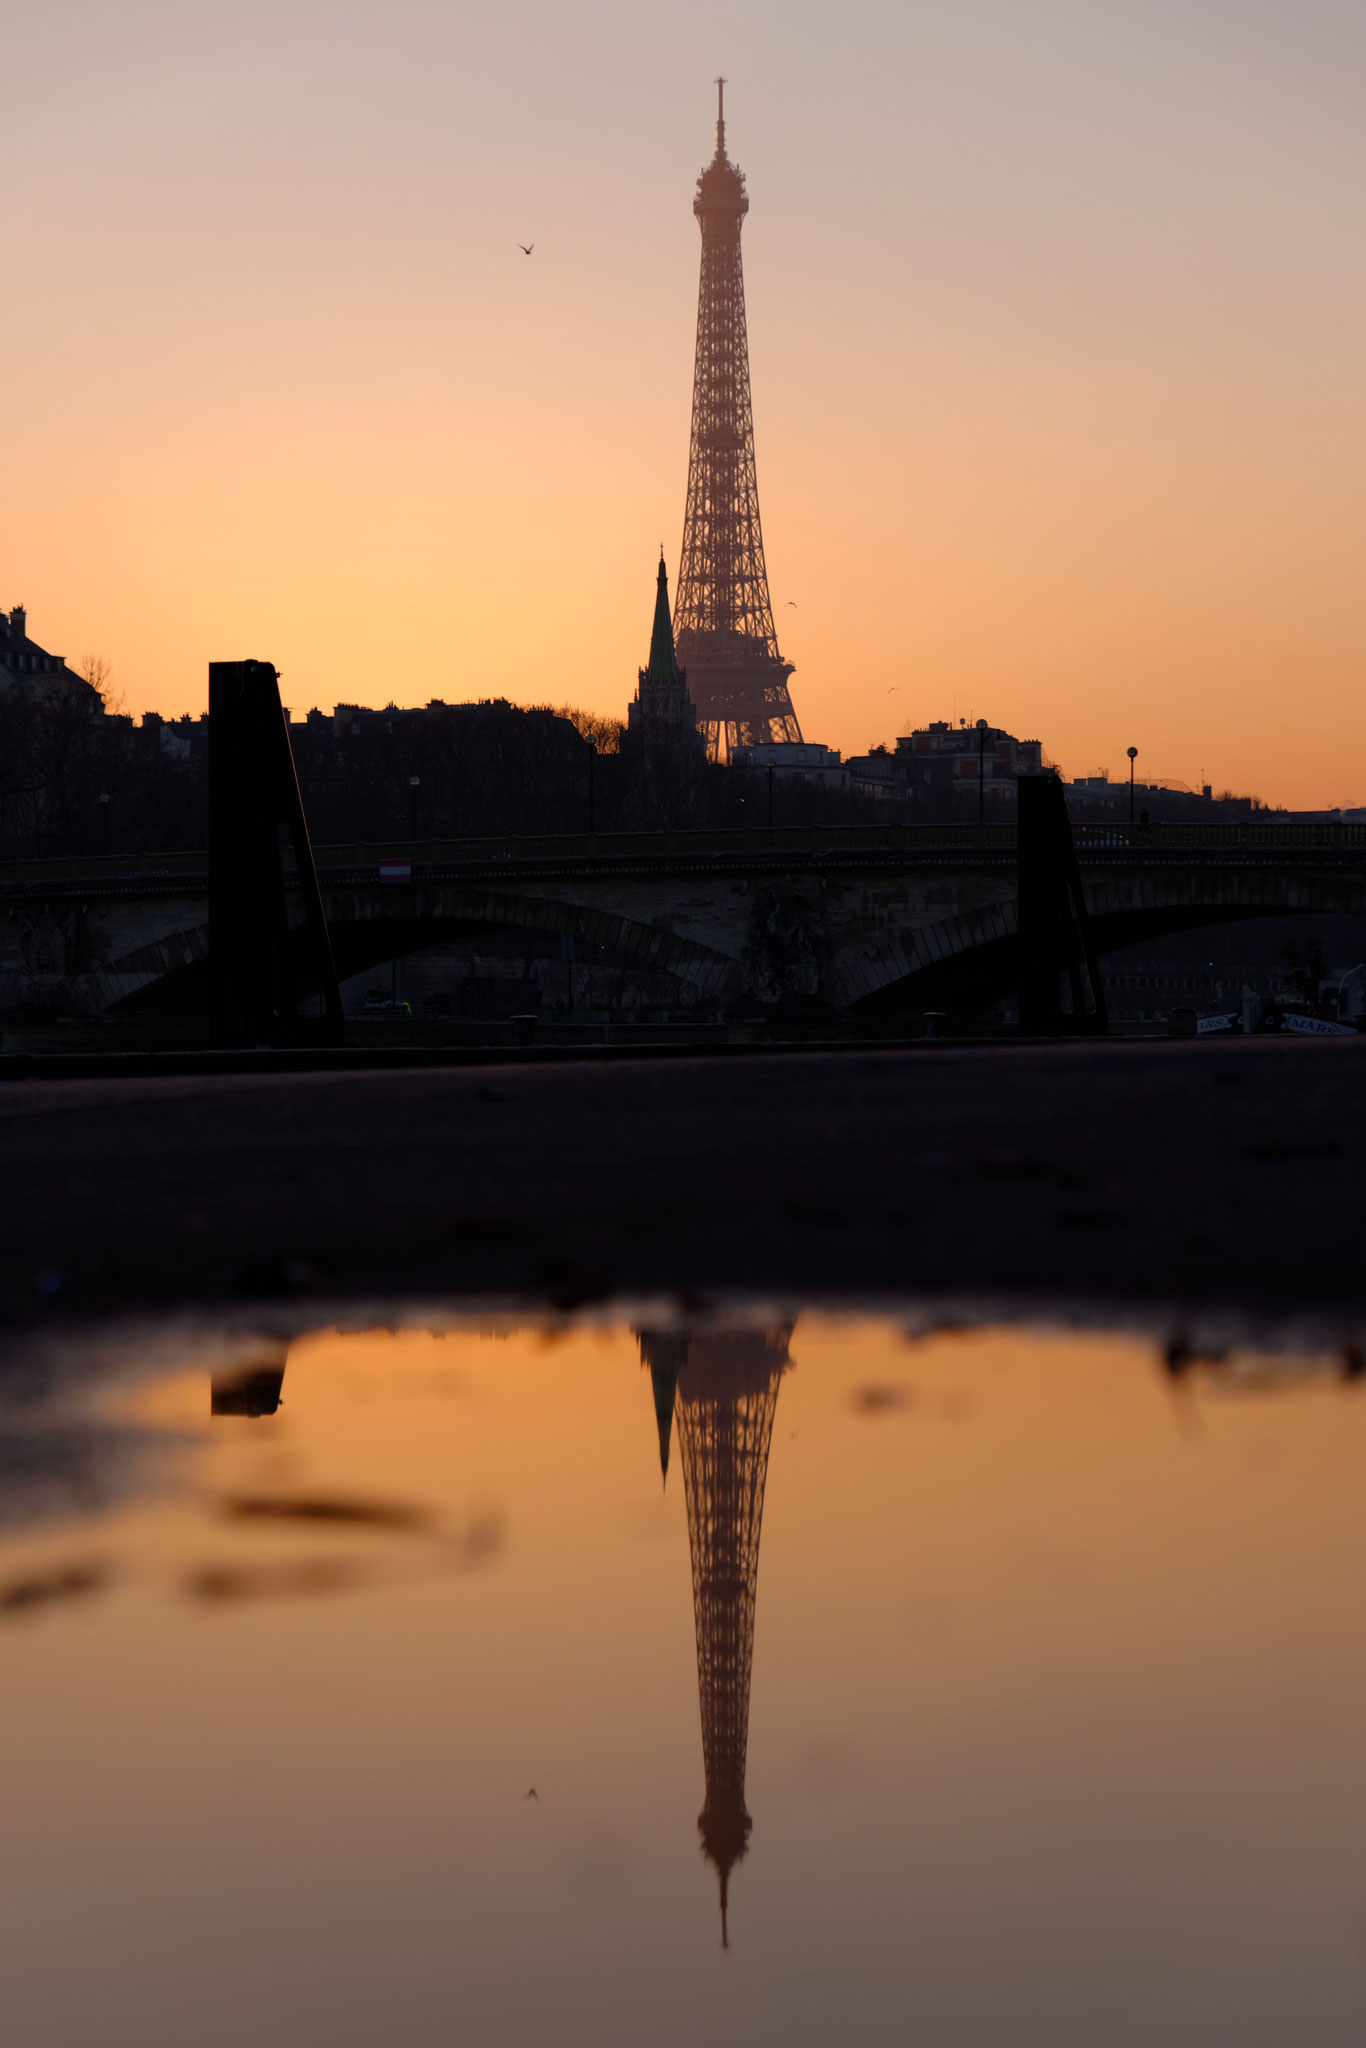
[
  {"x": 809, "y": 840},
  {"x": 105, "y": 867},
  {"x": 625, "y": 845},
  {"x": 1321, "y": 835}
]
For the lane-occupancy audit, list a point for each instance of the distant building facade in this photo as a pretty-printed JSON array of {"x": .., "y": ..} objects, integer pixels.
[
  {"x": 1096, "y": 800},
  {"x": 939, "y": 770},
  {"x": 958, "y": 759},
  {"x": 800, "y": 760}
]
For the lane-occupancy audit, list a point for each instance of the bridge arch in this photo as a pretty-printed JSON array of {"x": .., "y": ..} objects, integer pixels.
[
  {"x": 363, "y": 926},
  {"x": 972, "y": 956},
  {"x": 179, "y": 957},
  {"x": 371, "y": 926},
  {"x": 916, "y": 959}
]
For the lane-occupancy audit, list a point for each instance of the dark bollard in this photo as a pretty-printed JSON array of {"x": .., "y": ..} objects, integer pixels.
[{"x": 259, "y": 975}]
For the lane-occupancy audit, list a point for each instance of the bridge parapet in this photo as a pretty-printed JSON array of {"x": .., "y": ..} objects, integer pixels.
[
  {"x": 105, "y": 867},
  {"x": 1325, "y": 834},
  {"x": 829, "y": 843}
]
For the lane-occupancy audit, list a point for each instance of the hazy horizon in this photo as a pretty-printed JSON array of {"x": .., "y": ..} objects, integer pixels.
[{"x": 1055, "y": 320}]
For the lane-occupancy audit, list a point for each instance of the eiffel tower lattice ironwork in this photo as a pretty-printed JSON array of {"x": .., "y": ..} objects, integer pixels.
[
  {"x": 727, "y": 1394},
  {"x": 723, "y": 620}
]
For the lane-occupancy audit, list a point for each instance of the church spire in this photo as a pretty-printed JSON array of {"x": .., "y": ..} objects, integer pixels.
[
  {"x": 663, "y": 664},
  {"x": 663, "y": 1351},
  {"x": 662, "y": 708}
]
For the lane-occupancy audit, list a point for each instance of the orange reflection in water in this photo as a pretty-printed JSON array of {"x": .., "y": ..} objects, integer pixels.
[{"x": 1043, "y": 1688}]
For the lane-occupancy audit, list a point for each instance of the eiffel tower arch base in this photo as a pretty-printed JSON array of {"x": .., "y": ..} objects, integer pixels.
[{"x": 742, "y": 706}]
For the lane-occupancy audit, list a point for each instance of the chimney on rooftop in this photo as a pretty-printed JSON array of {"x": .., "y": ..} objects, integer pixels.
[{"x": 18, "y": 619}]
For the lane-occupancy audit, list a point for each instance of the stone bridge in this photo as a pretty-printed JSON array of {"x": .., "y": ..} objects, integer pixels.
[{"x": 853, "y": 918}]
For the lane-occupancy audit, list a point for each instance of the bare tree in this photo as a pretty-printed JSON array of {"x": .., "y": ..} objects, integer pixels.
[
  {"x": 96, "y": 670},
  {"x": 605, "y": 733}
]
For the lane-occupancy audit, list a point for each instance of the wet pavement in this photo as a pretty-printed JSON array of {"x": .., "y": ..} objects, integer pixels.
[{"x": 1107, "y": 1173}]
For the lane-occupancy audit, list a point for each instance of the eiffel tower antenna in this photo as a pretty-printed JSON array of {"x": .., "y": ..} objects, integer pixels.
[
  {"x": 723, "y": 620},
  {"x": 727, "y": 1398}
]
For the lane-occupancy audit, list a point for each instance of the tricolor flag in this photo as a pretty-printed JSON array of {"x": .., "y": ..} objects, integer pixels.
[{"x": 396, "y": 871}]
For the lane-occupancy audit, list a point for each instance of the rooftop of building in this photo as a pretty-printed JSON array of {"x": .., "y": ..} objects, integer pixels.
[
  {"x": 22, "y": 657},
  {"x": 18, "y": 649}
]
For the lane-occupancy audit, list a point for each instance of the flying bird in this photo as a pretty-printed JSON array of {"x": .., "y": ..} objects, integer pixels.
[
  {"x": 526, "y": 247},
  {"x": 533, "y": 1793},
  {"x": 793, "y": 602}
]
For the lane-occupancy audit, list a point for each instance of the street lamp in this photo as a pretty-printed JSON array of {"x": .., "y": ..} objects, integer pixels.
[
  {"x": 104, "y": 818},
  {"x": 414, "y": 784},
  {"x": 981, "y": 770},
  {"x": 1133, "y": 756}
]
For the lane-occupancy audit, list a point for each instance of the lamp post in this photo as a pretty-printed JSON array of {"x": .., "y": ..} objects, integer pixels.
[
  {"x": 981, "y": 770},
  {"x": 104, "y": 818},
  {"x": 414, "y": 785},
  {"x": 1133, "y": 756},
  {"x": 592, "y": 764},
  {"x": 770, "y": 796}
]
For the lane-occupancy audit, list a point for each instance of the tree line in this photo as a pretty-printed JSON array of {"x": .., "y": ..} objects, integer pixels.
[
  {"x": 78, "y": 777},
  {"x": 78, "y": 781}
]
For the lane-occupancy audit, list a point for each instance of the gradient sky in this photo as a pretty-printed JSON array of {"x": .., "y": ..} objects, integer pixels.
[{"x": 1057, "y": 323}]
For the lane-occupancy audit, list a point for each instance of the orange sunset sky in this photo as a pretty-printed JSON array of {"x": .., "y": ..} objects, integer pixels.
[{"x": 1057, "y": 322}]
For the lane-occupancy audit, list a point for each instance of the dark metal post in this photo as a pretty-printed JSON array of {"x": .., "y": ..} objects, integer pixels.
[
  {"x": 1053, "y": 936},
  {"x": 254, "y": 806},
  {"x": 592, "y": 764},
  {"x": 981, "y": 770},
  {"x": 1040, "y": 965},
  {"x": 770, "y": 796},
  {"x": 414, "y": 784},
  {"x": 1133, "y": 756}
]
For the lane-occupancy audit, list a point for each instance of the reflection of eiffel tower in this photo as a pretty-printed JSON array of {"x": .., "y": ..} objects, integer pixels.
[{"x": 727, "y": 1395}]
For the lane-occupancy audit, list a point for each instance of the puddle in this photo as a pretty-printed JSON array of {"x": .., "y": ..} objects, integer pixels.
[{"x": 796, "y": 1679}]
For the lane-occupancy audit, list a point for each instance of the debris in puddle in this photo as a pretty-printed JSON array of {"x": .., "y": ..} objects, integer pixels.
[
  {"x": 329, "y": 1509},
  {"x": 220, "y": 1583},
  {"x": 880, "y": 1400},
  {"x": 46, "y": 1589}
]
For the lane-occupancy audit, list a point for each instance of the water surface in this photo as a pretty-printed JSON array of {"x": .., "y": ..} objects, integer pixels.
[{"x": 632, "y": 1682}]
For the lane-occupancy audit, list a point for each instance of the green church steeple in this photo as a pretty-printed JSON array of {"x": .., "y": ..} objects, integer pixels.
[
  {"x": 662, "y": 709},
  {"x": 663, "y": 665}
]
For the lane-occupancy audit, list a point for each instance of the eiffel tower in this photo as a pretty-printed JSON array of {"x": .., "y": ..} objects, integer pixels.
[
  {"x": 726, "y": 1391},
  {"x": 723, "y": 621}
]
